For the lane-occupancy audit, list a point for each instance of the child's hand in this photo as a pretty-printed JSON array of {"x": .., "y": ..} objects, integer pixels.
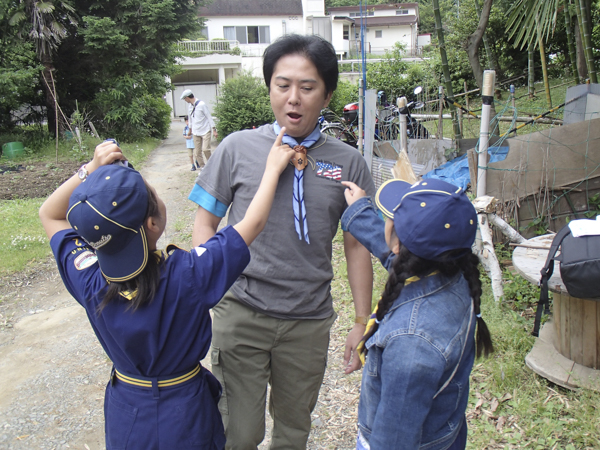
[
  {"x": 352, "y": 192},
  {"x": 280, "y": 154},
  {"x": 106, "y": 153}
]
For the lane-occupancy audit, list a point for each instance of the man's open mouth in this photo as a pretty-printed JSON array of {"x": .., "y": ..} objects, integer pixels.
[{"x": 294, "y": 116}]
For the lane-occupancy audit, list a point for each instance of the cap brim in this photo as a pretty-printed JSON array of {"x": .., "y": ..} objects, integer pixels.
[
  {"x": 128, "y": 262},
  {"x": 389, "y": 195}
]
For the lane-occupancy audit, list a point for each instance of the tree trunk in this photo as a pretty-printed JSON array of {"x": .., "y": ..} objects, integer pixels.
[
  {"x": 570, "y": 42},
  {"x": 492, "y": 60},
  {"x": 579, "y": 51},
  {"x": 531, "y": 72},
  {"x": 587, "y": 39},
  {"x": 473, "y": 43},
  {"x": 445, "y": 67},
  {"x": 584, "y": 28}
]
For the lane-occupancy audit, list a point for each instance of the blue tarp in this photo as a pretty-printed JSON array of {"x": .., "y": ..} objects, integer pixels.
[{"x": 457, "y": 171}]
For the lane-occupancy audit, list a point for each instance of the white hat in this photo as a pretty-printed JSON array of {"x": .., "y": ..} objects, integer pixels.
[{"x": 186, "y": 93}]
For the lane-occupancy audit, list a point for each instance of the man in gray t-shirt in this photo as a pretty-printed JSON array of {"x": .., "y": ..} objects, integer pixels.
[{"x": 273, "y": 325}]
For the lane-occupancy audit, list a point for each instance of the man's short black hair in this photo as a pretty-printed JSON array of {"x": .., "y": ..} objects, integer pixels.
[{"x": 316, "y": 49}]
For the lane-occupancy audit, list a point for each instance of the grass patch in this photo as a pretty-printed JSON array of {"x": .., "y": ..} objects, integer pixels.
[{"x": 22, "y": 238}]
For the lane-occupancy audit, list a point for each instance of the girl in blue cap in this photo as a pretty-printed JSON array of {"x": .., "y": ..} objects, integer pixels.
[
  {"x": 421, "y": 339},
  {"x": 148, "y": 308}
]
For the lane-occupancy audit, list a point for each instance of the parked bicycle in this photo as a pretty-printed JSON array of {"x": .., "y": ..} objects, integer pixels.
[{"x": 343, "y": 129}]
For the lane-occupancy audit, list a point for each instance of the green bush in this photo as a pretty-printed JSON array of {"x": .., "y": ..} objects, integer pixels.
[
  {"x": 242, "y": 103},
  {"x": 131, "y": 112},
  {"x": 345, "y": 93}
]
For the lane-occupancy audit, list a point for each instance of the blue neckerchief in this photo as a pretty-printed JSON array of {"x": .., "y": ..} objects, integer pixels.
[{"x": 298, "y": 200}]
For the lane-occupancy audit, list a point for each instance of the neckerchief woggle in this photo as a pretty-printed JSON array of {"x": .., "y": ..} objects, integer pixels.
[{"x": 298, "y": 198}]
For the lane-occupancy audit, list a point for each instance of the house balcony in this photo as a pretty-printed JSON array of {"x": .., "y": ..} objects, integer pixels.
[{"x": 221, "y": 46}]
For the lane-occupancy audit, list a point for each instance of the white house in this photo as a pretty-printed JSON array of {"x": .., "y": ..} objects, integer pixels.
[
  {"x": 385, "y": 25},
  {"x": 238, "y": 31}
]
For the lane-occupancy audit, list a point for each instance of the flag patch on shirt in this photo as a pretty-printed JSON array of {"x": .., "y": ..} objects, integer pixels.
[{"x": 326, "y": 169}]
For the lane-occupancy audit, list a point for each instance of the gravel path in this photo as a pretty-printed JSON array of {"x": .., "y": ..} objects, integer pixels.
[{"x": 53, "y": 370}]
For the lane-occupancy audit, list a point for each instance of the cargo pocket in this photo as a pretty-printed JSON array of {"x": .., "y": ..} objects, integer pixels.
[
  {"x": 217, "y": 370},
  {"x": 120, "y": 418}
]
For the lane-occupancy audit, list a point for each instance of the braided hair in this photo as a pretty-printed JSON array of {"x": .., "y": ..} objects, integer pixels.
[{"x": 407, "y": 264}]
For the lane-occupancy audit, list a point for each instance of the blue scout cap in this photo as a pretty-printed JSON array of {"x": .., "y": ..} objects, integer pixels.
[
  {"x": 430, "y": 217},
  {"x": 108, "y": 211}
]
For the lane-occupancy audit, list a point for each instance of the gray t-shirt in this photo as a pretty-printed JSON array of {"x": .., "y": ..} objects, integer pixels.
[{"x": 286, "y": 278}]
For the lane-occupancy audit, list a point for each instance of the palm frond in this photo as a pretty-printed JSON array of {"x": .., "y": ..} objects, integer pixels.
[{"x": 525, "y": 16}]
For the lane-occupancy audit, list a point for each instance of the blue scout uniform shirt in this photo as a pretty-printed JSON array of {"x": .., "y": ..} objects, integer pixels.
[
  {"x": 173, "y": 332},
  {"x": 165, "y": 338}
]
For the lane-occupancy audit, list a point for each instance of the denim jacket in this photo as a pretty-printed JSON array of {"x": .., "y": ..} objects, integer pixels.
[{"x": 415, "y": 383}]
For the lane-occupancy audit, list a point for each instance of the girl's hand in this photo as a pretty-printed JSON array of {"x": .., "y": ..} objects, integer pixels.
[
  {"x": 280, "y": 154},
  {"x": 106, "y": 153},
  {"x": 352, "y": 192}
]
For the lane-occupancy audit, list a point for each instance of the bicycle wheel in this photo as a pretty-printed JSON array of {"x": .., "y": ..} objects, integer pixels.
[{"x": 339, "y": 132}]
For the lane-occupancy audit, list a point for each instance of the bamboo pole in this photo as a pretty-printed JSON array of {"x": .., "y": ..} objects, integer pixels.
[
  {"x": 587, "y": 40},
  {"x": 440, "y": 130},
  {"x": 487, "y": 98},
  {"x": 361, "y": 106},
  {"x": 544, "y": 69},
  {"x": 570, "y": 42},
  {"x": 530, "y": 72},
  {"x": 401, "y": 103},
  {"x": 488, "y": 257}
]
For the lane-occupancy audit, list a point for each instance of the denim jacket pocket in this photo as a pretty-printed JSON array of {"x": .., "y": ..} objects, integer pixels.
[{"x": 372, "y": 362}]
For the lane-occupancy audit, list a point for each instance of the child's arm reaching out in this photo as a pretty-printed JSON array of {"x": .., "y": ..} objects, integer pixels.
[
  {"x": 53, "y": 212},
  {"x": 258, "y": 212}
]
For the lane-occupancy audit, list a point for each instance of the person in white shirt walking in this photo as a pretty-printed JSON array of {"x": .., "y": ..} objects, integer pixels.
[{"x": 201, "y": 124}]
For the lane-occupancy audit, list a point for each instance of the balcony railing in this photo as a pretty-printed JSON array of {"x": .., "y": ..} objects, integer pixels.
[{"x": 217, "y": 46}]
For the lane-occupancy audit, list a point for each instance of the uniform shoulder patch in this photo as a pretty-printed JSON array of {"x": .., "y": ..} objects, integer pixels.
[{"x": 84, "y": 260}]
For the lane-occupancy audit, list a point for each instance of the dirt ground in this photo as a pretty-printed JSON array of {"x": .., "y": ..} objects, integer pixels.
[
  {"x": 35, "y": 180},
  {"x": 52, "y": 368}
]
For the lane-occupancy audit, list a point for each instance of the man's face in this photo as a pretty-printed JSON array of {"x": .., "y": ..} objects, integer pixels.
[
  {"x": 297, "y": 95},
  {"x": 189, "y": 100}
]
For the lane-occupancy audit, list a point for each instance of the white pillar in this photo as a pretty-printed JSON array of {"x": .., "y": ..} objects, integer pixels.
[{"x": 221, "y": 75}]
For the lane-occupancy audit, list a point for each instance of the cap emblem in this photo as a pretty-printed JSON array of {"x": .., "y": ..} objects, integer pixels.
[{"x": 103, "y": 241}]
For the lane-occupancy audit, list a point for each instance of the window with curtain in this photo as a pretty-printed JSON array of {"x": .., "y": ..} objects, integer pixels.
[{"x": 248, "y": 34}]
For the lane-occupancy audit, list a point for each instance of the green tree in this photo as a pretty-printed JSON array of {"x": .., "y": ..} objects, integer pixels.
[
  {"x": 124, "y": 52},
  {"x": 44, "y": 24},
  {"x": 18, "y": 69}
]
